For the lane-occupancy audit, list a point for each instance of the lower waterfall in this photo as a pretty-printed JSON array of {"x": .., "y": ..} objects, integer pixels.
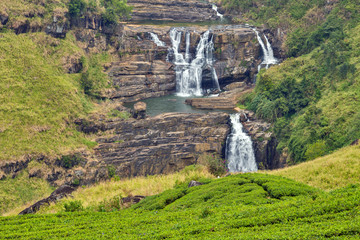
[{"x": 239, "y": 150}]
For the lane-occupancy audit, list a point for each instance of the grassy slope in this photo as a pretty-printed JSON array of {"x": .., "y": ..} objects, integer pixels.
[
  {"x": 21, "y": 191},
  {"x": 245, "y": 206},
  {"x": 38, "y": 101},
  {"x": 330, "y": 172}
]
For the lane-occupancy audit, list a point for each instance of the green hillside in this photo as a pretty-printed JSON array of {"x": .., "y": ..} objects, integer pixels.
[
  {"x": 245, "y": 206},
  {"x": 313, "y": 99},
  {"x": 330, "y": 172},
  {"x": 38, "y": 99}
]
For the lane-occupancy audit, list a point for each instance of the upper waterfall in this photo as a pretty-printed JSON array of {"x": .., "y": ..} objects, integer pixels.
[
  {"x": 189, "y": 70},
  {"x": 269, "y": 58},
  {"x": 239, "y": 150}
]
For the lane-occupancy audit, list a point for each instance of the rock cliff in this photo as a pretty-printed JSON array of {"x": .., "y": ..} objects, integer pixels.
[
  {"x": 161, "y": 144},
  {"x": 173, "y": 10}
]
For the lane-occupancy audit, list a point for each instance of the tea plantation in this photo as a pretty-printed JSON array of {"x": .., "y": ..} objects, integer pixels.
[{"x": 243, "y": 206}]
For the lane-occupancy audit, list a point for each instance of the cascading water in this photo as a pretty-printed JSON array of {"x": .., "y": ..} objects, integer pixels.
[
  {"x": 215, "y": 8},
  {"x": 156, "y": 40},
  {"x": 189, "y": 71},
  {"x": 269, "y": 58},
  {"x": 239, "y": 151}
]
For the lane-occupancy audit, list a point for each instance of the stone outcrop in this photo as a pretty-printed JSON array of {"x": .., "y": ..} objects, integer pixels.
[
  {"x": 139, "y": 110},
  {"x": 237, "y": 54},
  {"x": 173, "y": 10},
  {"x": 161, "y": 144},
  {"x": 225, "y": 100}
]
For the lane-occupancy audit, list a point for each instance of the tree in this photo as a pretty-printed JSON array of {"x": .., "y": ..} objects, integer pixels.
[{"x": 76, "y": 8}]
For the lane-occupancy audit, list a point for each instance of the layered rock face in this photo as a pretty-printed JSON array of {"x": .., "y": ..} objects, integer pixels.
[
  {"x": 225, "y": 100},
  {"x": 237, "y": 54},
  {"x": 161, "y": 144},
  {"x": 173, "y": 10},
  {"x": 145, "y": 69},
  {"x": 142, "y": 71}
]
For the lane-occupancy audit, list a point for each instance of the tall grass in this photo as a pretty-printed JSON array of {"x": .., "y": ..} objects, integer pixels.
[
  {"x": 146, "y": 186},
  {"x": 18, "y": 193},
  {"x": 333, "y": 171}
]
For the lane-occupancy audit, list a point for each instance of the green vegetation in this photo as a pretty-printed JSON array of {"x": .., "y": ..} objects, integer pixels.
[
  {"x": 38, "y": 99},
  {"x": 102, "y": 196},
  {"x": 330, "y": 172},
  {"x": 70, "y": 161},
  {"x": 313, "y": 99},
  {"x": 114, "y": 113},
  {"x": 244, "y": 206},
  {"x": 21, "y": 191},
  {"x": 111, "y": 11},
  {"x": 93, "y": 79}
]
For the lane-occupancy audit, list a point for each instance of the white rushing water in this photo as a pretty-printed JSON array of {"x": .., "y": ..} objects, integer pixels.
[
  {"x": 156, "y": 40},
  {"x": 189, "y": 70},
  {"x": 215, "y": 8},
  {"x": 239, "y": 150},
  {"x": 269, "y": 58}
]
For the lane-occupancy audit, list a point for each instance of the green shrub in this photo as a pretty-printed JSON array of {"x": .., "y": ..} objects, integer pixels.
[
  {"x": 73, "y": 206},
  {"x": 215, "y": 164},
  {"x": 111, "y": 171},
  {"x": 113, "y": 204},
  {"x": 76, "y": 8},
  {"x": 69, "y": 161}
]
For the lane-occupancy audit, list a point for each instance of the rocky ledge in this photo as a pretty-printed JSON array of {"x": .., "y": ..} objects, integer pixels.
[
  {"x": 225, "y": 100},
  {"x": 173, "y": 10},
  {"x": 161, "y": 144}
]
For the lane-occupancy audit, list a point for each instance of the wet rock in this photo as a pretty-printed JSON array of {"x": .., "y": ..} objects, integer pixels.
[
  {"x": 139, "y": 110},
  {"x": 264, "y": 143},
  {"x": 226, "y": 100}
]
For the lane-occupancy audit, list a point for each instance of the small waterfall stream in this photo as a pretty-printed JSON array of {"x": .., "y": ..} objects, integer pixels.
[
  {"x": 156, "y": 40},
  {"x": 215, "y": 8},
  {"x": 269, "y": 58},
  {"x": 239, "y": 150},
  {"x": 189, "y": 70}
]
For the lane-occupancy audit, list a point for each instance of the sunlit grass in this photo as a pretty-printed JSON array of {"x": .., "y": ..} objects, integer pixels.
[{"x": 333, "y": 171}]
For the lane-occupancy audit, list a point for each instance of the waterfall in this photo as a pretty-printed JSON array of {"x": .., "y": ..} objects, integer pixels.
[
  {"x": 215, "y": 8},
  {"x": 269, "y": 58},
  {"x": 189, "y": 70},
  {"x": 156, "y": 40},
  {"x": 239, "y": 151}
]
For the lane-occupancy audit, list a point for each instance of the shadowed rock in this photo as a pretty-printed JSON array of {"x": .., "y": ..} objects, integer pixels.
[{"x": 58, "y": 194}]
